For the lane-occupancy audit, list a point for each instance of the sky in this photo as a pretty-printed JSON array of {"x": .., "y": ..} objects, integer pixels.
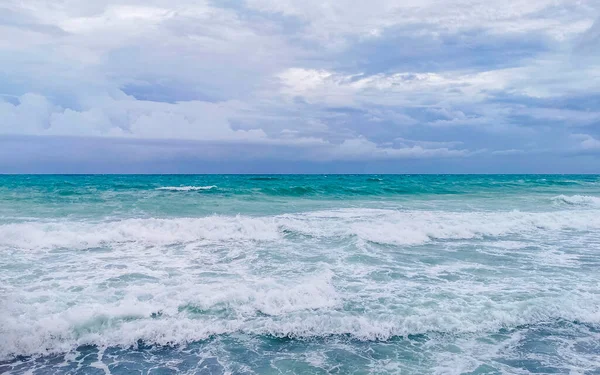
[{"x": 300, "y": 86}]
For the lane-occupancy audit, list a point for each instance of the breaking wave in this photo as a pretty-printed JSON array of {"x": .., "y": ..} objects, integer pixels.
[
  {"x": 380, "y": 226},
  {"x": 578, "y": 200},
  {"x": 301, "y": 275},
  {"x": 187, "y": 188},
  {"x": 303, "y": 311}
]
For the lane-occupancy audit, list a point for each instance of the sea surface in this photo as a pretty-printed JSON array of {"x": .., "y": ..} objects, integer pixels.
[{"x": 300, "y": 274}]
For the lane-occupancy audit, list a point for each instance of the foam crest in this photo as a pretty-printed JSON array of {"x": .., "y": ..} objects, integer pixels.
[
  {"x": 264, "y": 297},
  {"x": 169, "y": 317},
  {"x": 127, "y": 323},
  {"x": 187, "y": 188},
  {"x": 578, "y": 200},
  {"x": 380, "y": 226},
  {"x": 419, "y": 227},
  {"x": 157, "y": 232}
]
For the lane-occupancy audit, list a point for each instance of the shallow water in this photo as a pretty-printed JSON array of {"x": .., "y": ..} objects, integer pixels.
[{"x": 299, "y": 274}]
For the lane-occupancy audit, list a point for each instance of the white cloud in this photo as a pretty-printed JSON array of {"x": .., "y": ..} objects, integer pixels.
[
  {"x": 330, "y": 20},
  {"x": 126, "y": 117},
  {"x": 192, "y": 121},
  {"x": 30, "y": 116},
  {"x": 268, "y": 72},
  {"x": 405, "y": 89},
  {"x": 587, "y": 142},
  {"x": 362, "y": 149},
  {"x": 508, "y": 152},
  {"x": 567, "y": 116}
]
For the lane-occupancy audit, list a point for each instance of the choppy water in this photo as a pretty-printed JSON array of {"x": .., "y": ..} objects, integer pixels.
[{"x": 299, "y": 274}]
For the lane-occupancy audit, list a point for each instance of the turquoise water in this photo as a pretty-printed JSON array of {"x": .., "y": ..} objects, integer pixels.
[{"x": 315, "y": 274}]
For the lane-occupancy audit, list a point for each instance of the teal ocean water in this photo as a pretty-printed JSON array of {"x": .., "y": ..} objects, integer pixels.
[{"x": 248, "y": 274}]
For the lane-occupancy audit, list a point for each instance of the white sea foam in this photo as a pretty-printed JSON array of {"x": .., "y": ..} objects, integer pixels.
[
  {"x": 418, "y": 227},
  {"x": 187, "y": 188},
  {"x": 380, "y": 226},
  {"x": 580, "y": 200},
  {"x": 314, "y": 274},
  {"x": 35, "y": 235},
  {"x": 182, "y": 313},
  {"x": 126, "y": 322}
]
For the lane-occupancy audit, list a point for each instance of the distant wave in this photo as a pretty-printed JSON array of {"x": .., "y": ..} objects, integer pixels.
[
  {"x": 292, "y": 191},
  {"x": 326, "y": 190},
  {"x": 264, "y": 178},
  {"x": 578, "y": 200},
  {"x": 187, "y": 188}
]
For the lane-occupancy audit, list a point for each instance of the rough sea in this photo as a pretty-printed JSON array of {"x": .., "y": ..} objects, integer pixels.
[{"x": 300, "y": 274}]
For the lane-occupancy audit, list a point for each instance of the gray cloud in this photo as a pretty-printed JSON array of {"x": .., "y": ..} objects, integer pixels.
[{"x": 308, "y": 81}]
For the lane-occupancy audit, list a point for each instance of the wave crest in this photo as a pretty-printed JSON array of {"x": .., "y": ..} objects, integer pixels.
[
  {"x": 578, "y": 200},
  {"x": 379, "y": 226},
  {"x": 156, "y": 282},
  {"x": 187, "y": 188},
  {"x": 127, "y": 323}
]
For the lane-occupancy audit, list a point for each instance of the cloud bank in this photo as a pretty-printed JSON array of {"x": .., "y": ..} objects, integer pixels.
[{"x": 431, "y": 86}]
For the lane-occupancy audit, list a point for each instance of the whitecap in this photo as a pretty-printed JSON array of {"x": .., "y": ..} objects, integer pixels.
[
  {"x": 378, "y": 226},
  {"x": 126, "y": 322},
  {"x": 578, "y": 200},
  {"x": 256, "y": 279},
  {"x": 186, "y": 188}
]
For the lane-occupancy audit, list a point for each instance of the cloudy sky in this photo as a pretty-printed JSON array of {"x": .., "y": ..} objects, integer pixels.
[{"x": 258, "y": 86}]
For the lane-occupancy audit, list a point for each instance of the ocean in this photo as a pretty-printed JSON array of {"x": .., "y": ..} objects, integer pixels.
[{"x": 300, "y": 274}]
